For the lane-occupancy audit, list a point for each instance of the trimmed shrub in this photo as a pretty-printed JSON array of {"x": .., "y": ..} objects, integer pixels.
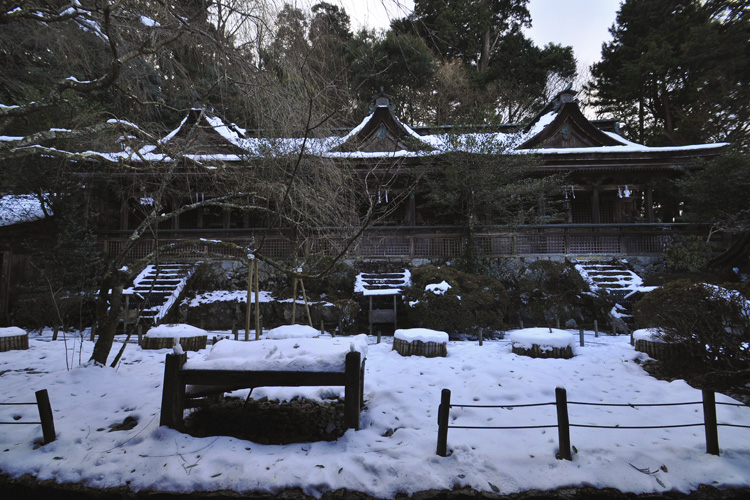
[
  {"x": 692, "y": 254},
  {"x": 710, "y": 323},
  {"x": 467, "y": 304},
  {"x": 549, "y": 289}
]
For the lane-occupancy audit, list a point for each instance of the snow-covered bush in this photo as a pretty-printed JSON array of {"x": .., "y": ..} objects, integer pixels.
[
  {"x": 710, "y": 323},
  {"x": 550, "y": 290},
  {"x": 442, "y": 298}
]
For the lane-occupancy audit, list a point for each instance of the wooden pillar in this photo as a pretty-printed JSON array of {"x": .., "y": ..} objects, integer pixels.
[
  {"x": 353, "y": 389},
  {"x": 443, "y": 420},
  {"x": 257, "y": 301},
  {"x": 709, "y": 418},
  {"x": 173, "y": 392},
  {"x": 596, "y": 217},
  {"x": 563, "y": 424},
  {"x": 650, "y": 204},
  {"x": 124, "y": 213},
  {"x": 395, "y": 313},
  {"x": 45, "y": 416},
  {"x": 226, "y": 219},
  {"x": 370, "y": 315},
  {"x": 250, "y": 267},
  {"x": 412, "y": 210},
  {"x": 294, "y": 302}
]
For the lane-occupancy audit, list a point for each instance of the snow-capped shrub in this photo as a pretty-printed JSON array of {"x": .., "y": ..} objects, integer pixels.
[
  {"x": 442, "y": 298},
  {"x": 550, "y": 290},
  {"x": 710, "y": 323}
]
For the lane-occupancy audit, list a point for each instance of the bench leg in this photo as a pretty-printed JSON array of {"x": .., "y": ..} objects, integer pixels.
[{"x": 353, "y": 390}]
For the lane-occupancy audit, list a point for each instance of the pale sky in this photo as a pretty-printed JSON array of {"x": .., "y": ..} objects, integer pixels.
[{"x": 580, "y": 23}]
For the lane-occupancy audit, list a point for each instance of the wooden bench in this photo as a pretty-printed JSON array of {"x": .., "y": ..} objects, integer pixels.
[{"x": 182, "y": 386}]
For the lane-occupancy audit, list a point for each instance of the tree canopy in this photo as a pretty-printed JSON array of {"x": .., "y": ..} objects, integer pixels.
[{"x": 677, "y": 71}]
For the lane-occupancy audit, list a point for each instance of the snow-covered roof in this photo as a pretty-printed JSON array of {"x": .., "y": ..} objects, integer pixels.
[
  {"x": 392, "y": 283},
  {"x": 17, "y": 209},
  {"x": 560, "y": 129}
]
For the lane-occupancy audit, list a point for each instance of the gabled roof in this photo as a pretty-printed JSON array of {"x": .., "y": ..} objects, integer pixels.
[
  {"x": 559, "y": 134},
  {"x": 562, "y": 125},
  {"x": 382, "y": 131},
  {"x": 203, "y": 133}
]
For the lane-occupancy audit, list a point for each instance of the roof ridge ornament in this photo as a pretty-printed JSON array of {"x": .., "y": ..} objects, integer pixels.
[{"x": 381, "y": 100}]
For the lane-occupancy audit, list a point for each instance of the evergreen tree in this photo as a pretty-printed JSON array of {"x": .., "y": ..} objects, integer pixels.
[
  {"x": 508, "y": 74},
  {"x": 677, "y": 70}
]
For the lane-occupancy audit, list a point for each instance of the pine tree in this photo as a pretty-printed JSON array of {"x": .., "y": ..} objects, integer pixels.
[{"x": 676, "y": 71}]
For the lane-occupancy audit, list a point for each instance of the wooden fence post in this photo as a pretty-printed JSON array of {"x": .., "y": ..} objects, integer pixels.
[
  {"x": 580, "y": 335},
  {"x": 443, "y": 419},
  {"x": 596, "y": 328},
  {"x": 352, "y": 389},
  {"x": 45, "y": 416},
  {"x": 709, "y": 417},
  {"x": 563, "y": 424},
  {"x": 480, "y": 337},
  {"x": 173, "y": 392}
]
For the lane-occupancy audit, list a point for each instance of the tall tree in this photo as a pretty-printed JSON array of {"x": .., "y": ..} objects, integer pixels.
[
  {"x": 677, "y": 70},
  {"x": 509, "y": 75}
]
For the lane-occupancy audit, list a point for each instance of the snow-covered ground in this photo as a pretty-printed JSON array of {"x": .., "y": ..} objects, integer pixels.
[{"x": 395, "y": 451}]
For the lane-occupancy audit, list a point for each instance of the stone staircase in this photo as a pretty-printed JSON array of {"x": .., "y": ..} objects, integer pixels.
[
  {"x": 159, "y": 286},
  {"x": 617, "y": 279}
]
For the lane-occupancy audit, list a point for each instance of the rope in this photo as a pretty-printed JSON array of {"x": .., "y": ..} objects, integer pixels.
[
  {"x": 502, "y": 406},
  {"x": 634, "y": 405}
]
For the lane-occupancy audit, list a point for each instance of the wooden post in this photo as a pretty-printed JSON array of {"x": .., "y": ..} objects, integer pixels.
[
  {"x": 443, "y": 418},
  {"x": 481, "y": 334},
  {"x": 294, "y": 302},
  {"x": 307, "y": 306},
  {"x": 250, "y": 267},
  {"x": 378, "y": 336},
  {"x": 55, "y": 331},
  {"x": 580, "y": 335},
  {"x": 395, "y": 313},
  {"x": 126, "y": 315},
  {"x": 173, "y": 392},
  {"x": 563, "y": 424},
  {"x": 709, "y": 418},
  {"x": 45, "y": 416},
  {"x": 370, "y": 314},
  {"x": 257, "y": 301},
  {"x": 352, "y": 389},
  {"x": 596, "y": 328},
  {"x": 595, "y": 211}
]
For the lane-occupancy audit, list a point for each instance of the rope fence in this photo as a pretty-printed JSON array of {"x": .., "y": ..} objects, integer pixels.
[
  {"x": 46, "y": 420},
  {"x": 563, "y": 424}
]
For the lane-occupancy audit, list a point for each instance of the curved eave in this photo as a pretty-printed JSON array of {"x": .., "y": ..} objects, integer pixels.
[{"x": 646, "y": 159}]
